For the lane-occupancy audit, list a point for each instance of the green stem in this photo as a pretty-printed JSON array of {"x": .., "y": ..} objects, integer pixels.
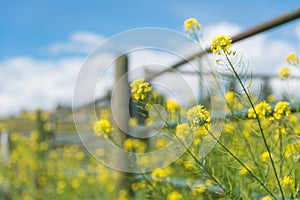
[
  {"x": 244, "y": 138},
  {"x": 259, "y": 123},
  {"x": 241, "y": 163},
  {"x": 200, "y": 164},
  {"x": 191, "y": 154},
  {"x": 280, "y": 152}
]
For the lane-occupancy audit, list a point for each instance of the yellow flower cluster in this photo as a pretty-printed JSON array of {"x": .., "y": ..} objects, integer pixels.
[
  {"x": 285, "y": 73},
  {"x": 173, "y": 109},
  {"x": 262, "y": 110},
  {"x": 281, "y": 109},
  {"x": 136, "y": 145},
  {"x": 265, "y": 156},
  {"x": 244, "y": 171},
  {"x": 161, "y": 173},
  {"x": 140, "y": 89},
  {"x": 221, "y": 43},
  {"x": 52, "y": 173},
  {"x": 292, "y": 149},
  {"x": 172, "y": 105},
  {"x": 191, "y": 24},
  {"x": 174, "y": 196},
  {"x": 123, "y": 195},
  {"x": 103, "y": 125},
  {"x": 292, "y": 59},
  {"x": 198, "y": 115},
  {"x": 138, "y": 185},
  {"x": 198, "y": 189},
  {"x": 287, "y": 181},
  {"x": 182, "y": 130},
  {"x": 267, "y": 198}
]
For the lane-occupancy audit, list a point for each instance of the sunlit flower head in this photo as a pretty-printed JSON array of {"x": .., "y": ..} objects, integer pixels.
[
  {"x": 244, "y": 171},
  {"x": 292, "y": 59},
  {"x": 287, "y": 181},
  {"x": 265, "y": 156},
  {"x": 285, "y": 73},
  {"x": 191, "y": 24},
  {"x": 174, "y": 196},
  {"x": 161, "y": 173},
  {"x": 172, "y": 105},
  {"x": 221, "y": 43},
  {"x": 182, "y": 130},
  {"x": 281, "y": 109},
  {"x": 199, "y": 189},
  {"x": 262, "y": 110},
  {"x": 267, "y": 198},
  {"x": 198, "y": 115},
  {"x": 138, "y": 185},
  {"x": 103, "y": 125},
  {"x": 140, "y": 89}
]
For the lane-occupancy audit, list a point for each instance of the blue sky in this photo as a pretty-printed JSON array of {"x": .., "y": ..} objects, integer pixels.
[
  {"x": 44, "y": 43},
  {"x": 28, "y": 27}
]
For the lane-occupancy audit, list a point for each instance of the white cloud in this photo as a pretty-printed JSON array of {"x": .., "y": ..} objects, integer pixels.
[
  {"x": 297, "y": 33},
  {"x": 79, "y": 42},
  {"x": 28, "y": 82},
  {"x": 221, "y": 28}
]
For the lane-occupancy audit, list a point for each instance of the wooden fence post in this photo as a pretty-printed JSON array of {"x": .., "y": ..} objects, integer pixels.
[
  {"x": 121, "y": 98},
  {"x": 4, "y": 145}
]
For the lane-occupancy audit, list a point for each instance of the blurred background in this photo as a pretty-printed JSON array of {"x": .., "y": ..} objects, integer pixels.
[{"x": 44, "y": 44}]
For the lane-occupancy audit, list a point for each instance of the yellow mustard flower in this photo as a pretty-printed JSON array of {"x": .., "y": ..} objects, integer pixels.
[
  {"x": 198, "y": 115},
  {"x": 199, "y": 188},
  {"x": 133, "y": 121},
  {"x": 182, "y": 130},
  {"x": 282, "y": 109},
  {"x": 264, "y": 156},
  {"x": 61, "y": 185},
  {"x": 174, "y": 196},
  {"x": 221, "y": 43},
  {"x": 244, "y": 171},
  {"x": 267, "y": 198},
  {"x": 43, "y": 146},
  {"x": 189, "y": 165},
  {"x": 79, "y": 155},
  {"x": 285, "y": 73},
  {"x": 292, "y": 59},
  {"x": 140, "y": 89},
  {"x": 47, "y": 127},
  {"x": 200, "y": 132},
  {"x": 123, "y": 195},
  {"x": 229, "y": 96},
  {"x": 75, "y": 184},
  {"x": 191, "y": 24},
  {"x": 172, "y": 105},
  {"x": 160, "y": 143},
  {"x": 287, "y": 181},
  {"x": 131, "y": 144},
  {"x": 262, "y": 110},
  {"x": 103, "y": 125},
  {"x": 271, "y": 99},
  {"x": 290, "y": 150},
  {"x": 138, "y": 185},
  {"x": 173, "y": 109},
  {"x": 161, "y": 173}
]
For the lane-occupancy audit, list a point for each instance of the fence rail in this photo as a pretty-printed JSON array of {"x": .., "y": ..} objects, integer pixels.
[
  {"x": 122, "y": 68},
  {"x": 265, "y": 26}
]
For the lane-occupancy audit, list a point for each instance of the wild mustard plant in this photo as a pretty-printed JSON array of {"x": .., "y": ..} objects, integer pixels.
[{"x": 285, "y": 73}]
